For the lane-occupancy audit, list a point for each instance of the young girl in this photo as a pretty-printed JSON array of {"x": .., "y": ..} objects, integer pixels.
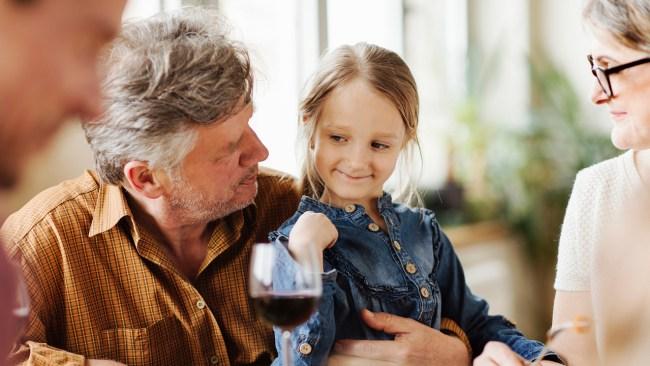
[{"x": 359, "y": 116}]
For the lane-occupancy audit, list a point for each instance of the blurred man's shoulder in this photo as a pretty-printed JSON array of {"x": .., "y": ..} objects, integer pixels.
[{"x": 76, "y": 196}]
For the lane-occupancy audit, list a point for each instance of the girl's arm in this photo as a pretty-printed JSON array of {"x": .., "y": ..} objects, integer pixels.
[
  {"x": 470, "y": 311},
  {"x": 312, "y": 341}
]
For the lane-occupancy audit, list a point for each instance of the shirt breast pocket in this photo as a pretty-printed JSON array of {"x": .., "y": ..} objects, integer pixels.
[
  {"x": 158, "y": 344},
  {"x": 375, "y": 284}
]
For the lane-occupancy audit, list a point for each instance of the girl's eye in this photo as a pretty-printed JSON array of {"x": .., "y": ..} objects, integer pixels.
[
  {"x": 337, "y": 138},
  {"x": 379, "y": 146}
]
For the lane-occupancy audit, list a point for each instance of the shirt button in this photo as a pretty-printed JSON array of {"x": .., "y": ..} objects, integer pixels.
[
  {"x": 214, "y": 360},
  {"x": 200, "y": 304},
  {"x": 397, "y": 246},
  {"x": 304, "y": 348},
  {"x": 373, "y": 227},
  {"x": 350, "y": 208},
  {"x": 411, "y": 268},
  {"x": 424, "y": 292}
]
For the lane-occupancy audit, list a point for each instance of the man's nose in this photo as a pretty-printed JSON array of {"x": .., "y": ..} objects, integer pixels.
[{"x": 255, "y": 150}]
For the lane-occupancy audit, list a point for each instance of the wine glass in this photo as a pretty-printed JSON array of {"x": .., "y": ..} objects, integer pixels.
[{"x": 285, "y": 289}]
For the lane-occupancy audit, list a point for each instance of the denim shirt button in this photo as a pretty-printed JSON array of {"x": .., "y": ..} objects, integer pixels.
[
  {"x": 350, "y": 208},
  {"x": 373, "y": 227},
  {"x": 424, "y": 292},
  {"x": 411, "y": 268},
  {"x": 304, "y": 348},
  {"x": 397, "y": 245}
]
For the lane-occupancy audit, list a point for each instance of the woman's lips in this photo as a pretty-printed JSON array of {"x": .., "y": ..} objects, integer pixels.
[{"x": 618, "y": 115}]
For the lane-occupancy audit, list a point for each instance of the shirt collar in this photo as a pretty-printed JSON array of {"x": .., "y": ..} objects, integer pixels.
[
  {"x": 110, "y": 208},
  {"x": 384, "y": 205}
]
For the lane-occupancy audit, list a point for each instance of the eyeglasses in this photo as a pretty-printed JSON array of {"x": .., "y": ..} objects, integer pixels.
[{"x": 602, "y": 74}]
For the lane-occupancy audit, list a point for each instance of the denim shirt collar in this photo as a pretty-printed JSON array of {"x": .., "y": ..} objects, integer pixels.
[{"x": 384, "y": 206}]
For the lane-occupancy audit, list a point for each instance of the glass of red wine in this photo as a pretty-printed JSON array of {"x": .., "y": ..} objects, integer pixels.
[{"x": 285, "y": 289}]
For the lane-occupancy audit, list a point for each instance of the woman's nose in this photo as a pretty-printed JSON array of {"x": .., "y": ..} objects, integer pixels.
[{"x": 598, "y": 95}]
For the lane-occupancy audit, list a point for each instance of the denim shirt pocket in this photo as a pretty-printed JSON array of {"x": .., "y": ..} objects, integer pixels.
[{"x": 368, "y": 291}]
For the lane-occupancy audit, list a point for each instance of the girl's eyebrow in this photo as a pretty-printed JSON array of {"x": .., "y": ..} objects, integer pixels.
[
  {"x": 388, "y": 135},
  {"x": 330, "y": 124}
]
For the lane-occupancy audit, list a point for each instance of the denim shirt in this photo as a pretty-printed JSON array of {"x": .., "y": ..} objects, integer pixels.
[{"x": 411, "y": 271}]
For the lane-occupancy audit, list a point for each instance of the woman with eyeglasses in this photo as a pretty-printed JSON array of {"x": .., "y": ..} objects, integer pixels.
[{"x": 601, "y": 196}]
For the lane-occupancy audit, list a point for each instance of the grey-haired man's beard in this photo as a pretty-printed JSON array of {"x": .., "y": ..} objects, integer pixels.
[{"x": 190, "y": 205}]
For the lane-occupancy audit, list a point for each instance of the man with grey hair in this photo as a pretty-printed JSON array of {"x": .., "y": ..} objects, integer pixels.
[
  {"x": 144, "y": 261},
  {"x": 48, "y": 74}
]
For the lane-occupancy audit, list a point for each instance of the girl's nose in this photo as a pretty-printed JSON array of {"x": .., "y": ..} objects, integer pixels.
[{"x": 357, "y": 156}]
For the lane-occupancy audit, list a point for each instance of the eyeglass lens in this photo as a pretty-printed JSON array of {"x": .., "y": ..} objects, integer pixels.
[
  {"x": 603, "y": 80},
  {"x": 601, "y": 76}
]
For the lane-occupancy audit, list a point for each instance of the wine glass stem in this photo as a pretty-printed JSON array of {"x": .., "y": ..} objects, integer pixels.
[{"x": 286, "y": 348}]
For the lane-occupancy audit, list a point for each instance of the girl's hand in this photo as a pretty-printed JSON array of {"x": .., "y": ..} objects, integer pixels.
[
  {"x": 312, "y": 230},
  {"x": 499, "y": 354}
]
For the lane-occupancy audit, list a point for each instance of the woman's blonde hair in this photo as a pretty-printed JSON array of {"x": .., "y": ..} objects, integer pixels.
[
  {"x": 628, "y": 21},
  {"x": 387, "y": 73}
]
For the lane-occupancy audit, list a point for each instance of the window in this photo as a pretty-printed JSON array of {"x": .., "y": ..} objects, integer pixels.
[
  {"x": 286, "y": 39},
  {"x": 136, "y": 9}
]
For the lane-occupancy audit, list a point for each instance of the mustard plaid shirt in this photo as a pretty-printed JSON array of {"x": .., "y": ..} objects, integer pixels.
[{"x": 102, "y": 288}]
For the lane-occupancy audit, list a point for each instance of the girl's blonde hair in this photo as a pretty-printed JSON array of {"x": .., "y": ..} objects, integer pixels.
[{"x": 387, "y": 73}]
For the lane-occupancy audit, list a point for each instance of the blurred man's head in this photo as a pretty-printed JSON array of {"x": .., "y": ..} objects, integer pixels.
[
  {"x": 48, "y": 73},
  {"x": 48, "y": 70}
]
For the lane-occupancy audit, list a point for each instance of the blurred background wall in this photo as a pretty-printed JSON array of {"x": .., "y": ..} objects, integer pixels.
[{"x": 506, "y": 120}]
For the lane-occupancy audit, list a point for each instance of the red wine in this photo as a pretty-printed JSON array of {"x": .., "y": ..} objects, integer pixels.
[{"x": 286, "y": 310}]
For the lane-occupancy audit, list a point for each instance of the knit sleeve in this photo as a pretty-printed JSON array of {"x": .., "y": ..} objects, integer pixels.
[{"x": 578, "y": 235}]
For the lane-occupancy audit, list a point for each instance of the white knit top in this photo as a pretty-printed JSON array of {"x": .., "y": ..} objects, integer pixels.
[{"x": 597, "y": 195}]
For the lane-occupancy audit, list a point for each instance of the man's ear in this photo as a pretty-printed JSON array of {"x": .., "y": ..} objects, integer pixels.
[{"x": 143, "y": 179}]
